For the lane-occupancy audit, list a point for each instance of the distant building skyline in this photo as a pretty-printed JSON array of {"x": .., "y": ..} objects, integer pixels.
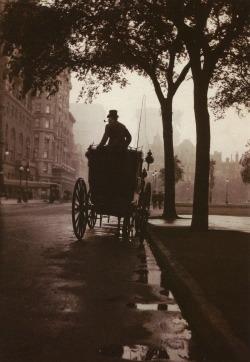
[
  {"x": 89, "y": 128},
  {"x": 228, "y": 135}
]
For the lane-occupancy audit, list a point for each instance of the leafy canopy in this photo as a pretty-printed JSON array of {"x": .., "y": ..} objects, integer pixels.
[
  {"x": 245, "y": 163},
  {"x": 97, "y": 39}
]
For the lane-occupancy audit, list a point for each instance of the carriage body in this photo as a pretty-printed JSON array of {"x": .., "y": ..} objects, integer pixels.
[
  {"x": 116, "y": 188},
  {"x": 114, "y": 179}
]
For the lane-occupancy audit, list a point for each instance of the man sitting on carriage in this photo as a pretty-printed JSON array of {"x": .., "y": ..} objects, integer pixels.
[{"x": 115, "y": 133}]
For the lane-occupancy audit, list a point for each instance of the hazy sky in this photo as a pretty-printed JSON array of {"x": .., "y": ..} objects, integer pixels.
[{"x": 228, "y": 135}]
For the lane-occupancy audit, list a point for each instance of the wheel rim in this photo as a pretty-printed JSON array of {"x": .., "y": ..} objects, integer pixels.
[{"x": 79, "y": 208}]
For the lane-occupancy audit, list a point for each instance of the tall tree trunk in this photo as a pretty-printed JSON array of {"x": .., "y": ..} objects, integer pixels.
[
  {"x": 201, "y": 184},
  {"x": 169, "y": 211}
]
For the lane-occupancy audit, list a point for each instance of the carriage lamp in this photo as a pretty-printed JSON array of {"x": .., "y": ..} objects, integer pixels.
[{"x": 149, "y": 159}]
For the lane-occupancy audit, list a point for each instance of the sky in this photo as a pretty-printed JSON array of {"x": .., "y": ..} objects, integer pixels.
[{"x": 228, "y": 135}]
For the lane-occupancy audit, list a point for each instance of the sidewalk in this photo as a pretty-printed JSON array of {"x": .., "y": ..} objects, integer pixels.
[
  {"x": 209, "y": 276},
  {"x": 3, "y": 201}
]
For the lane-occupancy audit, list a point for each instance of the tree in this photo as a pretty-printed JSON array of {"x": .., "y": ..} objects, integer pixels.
[
  {"x": 211, "y": 179},
  {"x": 208, "y": 29},
  {"x": 245, "y": 163},
  {"x": 100, "y": 39},
  {"x": 232, "y": 87},
  {"x": 179, "y": 171}
]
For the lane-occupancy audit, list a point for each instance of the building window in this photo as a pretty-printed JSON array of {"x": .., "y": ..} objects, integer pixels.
[
  {"x": 48, "y": 109},
  {"x": 38, "y": 93},
  {"x": 45, "y": 167},
  {"x": 38, "y": 107},
  {"x": 21, "y": 139},
  {"x": 46, "y": 123},
  {"x": 7, "y": 108},
  {"x": 6, "y": 131},
  {"x": 36, "y": 142},
  {"x": 12, "y": 155},
  {"x": 13, "y": 134},
  {"x": 46, "y": 143},
  {"x": 37, "y": 122},
  {"x": 45, "y": 153}
]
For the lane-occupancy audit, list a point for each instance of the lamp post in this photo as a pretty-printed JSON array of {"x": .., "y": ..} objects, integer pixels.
[
  {"x": 3, "y": 154},
  {"x": 227, "y": 181},
  {"x": 27, "y": 184},
  {"x": 154, "y": 174},
  {"x": 21, "y": 169}
]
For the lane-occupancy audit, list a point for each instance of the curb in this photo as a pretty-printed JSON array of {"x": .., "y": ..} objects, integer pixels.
[{"x": 205, "y": 317}]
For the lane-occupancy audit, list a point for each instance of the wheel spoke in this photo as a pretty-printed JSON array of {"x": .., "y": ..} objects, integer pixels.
[{"x": 79, "y": 216}]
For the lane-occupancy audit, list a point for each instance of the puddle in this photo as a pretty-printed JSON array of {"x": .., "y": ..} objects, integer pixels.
[
  {"x": 167, "y": 325},
  {"x": 154, "y": 306},
  {"x": 135, "y": 352}
]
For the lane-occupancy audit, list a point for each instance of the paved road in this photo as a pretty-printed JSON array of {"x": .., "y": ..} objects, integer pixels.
[{"x": 104, "y": 299}]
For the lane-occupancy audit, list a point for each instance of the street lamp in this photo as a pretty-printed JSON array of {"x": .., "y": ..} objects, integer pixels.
[
  {"x": 27, "y": 184},
  {"x": 227, "y": 181},
  {"x": 2, "y": 158},
  {"x": 154, "y": 174},
  {"x": 21, "y": 169}
]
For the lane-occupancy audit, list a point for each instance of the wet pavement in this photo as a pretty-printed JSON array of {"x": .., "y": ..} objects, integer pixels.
[{"x": 103, "y": 299}]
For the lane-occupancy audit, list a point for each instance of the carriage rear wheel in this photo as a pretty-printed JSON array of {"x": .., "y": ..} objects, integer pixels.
[
  {"x": 79, "y": 208},
  {"x": 142, "y": 212},
  {"x": 91, "y": 213}
]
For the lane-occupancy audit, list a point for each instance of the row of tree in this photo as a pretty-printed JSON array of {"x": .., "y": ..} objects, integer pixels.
[{"x": 164, "y": 40}]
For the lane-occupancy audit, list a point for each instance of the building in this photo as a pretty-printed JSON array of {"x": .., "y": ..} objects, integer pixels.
[
  {"x": 54, "y": 146},
  {"x": 36, "y": 139},
  {"x": 228, "y": 187}
]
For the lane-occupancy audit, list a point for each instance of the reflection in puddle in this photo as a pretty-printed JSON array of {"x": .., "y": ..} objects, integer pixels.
[
  {"x": 155, "y": 306},
  {"x": 135, "y": 352}
]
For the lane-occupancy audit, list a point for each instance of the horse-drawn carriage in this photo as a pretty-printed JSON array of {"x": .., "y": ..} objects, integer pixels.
[{"x": 117, "y": 187}]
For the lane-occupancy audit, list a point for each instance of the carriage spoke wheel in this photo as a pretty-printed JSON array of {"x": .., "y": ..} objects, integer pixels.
[
  {"x": 91, "y": 213},
  {"x": 126, "y": 226},
  {"x": 142, "y": 214},
  {"x": 79, "y": 208}
]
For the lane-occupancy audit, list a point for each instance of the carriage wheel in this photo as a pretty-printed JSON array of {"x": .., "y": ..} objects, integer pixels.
[
  {"x": 79, "y": 208},
  {"x": 147, "y": 196},
  {"x": 91, "y": 213},
  {"x": 141, "y": 218},
  {"x": 126, "y": 226}
]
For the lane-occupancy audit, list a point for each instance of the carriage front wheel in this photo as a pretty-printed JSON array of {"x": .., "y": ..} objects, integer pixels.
[{"x": 79, "y": 208}]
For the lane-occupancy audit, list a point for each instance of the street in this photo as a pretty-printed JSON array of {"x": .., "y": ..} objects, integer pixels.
[{"x": 102, "y": 299}]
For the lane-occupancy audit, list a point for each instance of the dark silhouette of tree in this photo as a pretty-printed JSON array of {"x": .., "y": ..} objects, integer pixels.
[
  {"x": 211, "y": 179},
  {"x": 245, "y": 163},
  {"x": 208, "y": 29},
  {"x": 232, "y": 87},
  {"x": 179, "y": 171},
  {"x": 100, "y": 39}
]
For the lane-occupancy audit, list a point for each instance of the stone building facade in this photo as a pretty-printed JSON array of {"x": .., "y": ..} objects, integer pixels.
[{"x": 36, "y": 139}]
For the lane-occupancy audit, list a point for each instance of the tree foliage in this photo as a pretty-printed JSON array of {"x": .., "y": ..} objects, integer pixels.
[
  {"x": 232, "y": 86},
  {"x": 245, "y": 163},
  {"x": 179, "y": 171},
  {"x": 211, "y": 179}
]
